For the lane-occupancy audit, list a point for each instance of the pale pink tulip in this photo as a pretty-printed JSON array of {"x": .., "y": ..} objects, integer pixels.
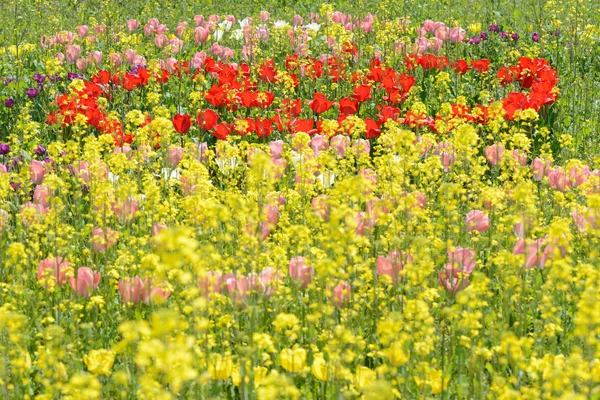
[
  {"x": 37, "y": 172},
  {"x": 477, "y": 221},
  {"x": 54, "y": 269},
  {"x": 103, "y": 239},
  {"x": 341, "y": 294},
  {"x": 301, "y": 274},
  {"x": 86, "y": 282}
]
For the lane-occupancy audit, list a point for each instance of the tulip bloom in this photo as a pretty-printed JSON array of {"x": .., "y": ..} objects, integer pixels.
[
  {"x": 182, "y": 123},
  {"x": 453, "y": 280},
  {"x": 300, "y": 273},
  {"x": 319, "y": 104},
  {"x": 38, "y": 171},
  {"x": 462, "y": 259},
  {"x": 86, "y": 282},
  {"x": 477, "y": 221},
  {"x": 393, "y": 265},
  {"x": 103, "y": 239},
  {"x": 53, "y": 269},
  {"x": 494, "y": 153},
  {"x": 341, "y": 294}
]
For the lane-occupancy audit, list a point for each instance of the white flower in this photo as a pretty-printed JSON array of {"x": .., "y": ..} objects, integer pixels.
[
  {"x": 238, "y": 34},
  {"x": 218, "y": 35},
  {"x": 244, "y": 23},
  {"x": 168, "y": 173},
  {"x": 225, "y": 165},
  {"x": 313, "y": 27},
  {"x": 112, "y": 177},
  {"x": 225, "y": 25},
  {"x": 280, "y": 24},
  {"x": 327, "y": 179}
]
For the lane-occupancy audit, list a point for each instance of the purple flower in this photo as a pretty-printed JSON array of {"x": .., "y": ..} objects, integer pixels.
[
  {"x": 15, "y": 186},
  {"x": 40, "y": 150},
  {"x": 4, "y": 148},
  {"x": 475, "y": 40},
  {"x": 7, "y": 81},
  {"x": 514, "y": 36},
  {"x": 8, "y": 103},
  {"x": 494, "y": 28},
  {"x": 483, "y": 36},
  {"x": 54, "y": 78},
  {"x": 73, "y": 75},
  {"x": 32, "y": 93},
  {"x": 535, "y": 37},
  {"x": 39, "y": 78},
  {"x": 503, "y": 34},
  {"x": 41, "y": 87}
]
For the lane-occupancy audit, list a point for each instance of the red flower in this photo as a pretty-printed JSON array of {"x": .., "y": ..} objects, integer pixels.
[
  {"x": 207, "y": 119},
  {"x": 222, "y": 130},
  {"x": 481, "y": 66},
  {"x": 319, "y": 104},
  {"x": 215, "y": 95},
  {"x": 302, "y": 125},
  {"x": 460, "y": 67},
  {"x": 348, "y": 106},
  {"x": 362, "y": 93},
  {"x": 373, "y": 130},
  {"x": 264, "y": 127},
  {"x": 182, "y": 123}
]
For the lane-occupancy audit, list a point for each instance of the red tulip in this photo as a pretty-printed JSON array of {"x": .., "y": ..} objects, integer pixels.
[
  {"x": 319, "y": 104},
  {"x": 207, "y": 119},
  {"x": 182, "y": 123}
]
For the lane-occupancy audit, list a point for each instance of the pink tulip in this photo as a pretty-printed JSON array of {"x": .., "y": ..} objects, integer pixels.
[
  {"x": 157, "y": 227},
  {"x": 393, "y": 265},
  {"x": 38, "y": 171},
  {"x": 339, "y": 143},
  {"x": 148, "y": 30},
  {"x": 55, "y": 268},
  {"x": 132, "y": 290},
  {"x": 557, "y": 178},
  {"x": 174, "y": 156},
  {"x": 540, "y": 168},
  {"x": 532, "y": 252},
  {"x": 181, "y": 28},
  {"x": 520, "y": 157},
  {"x": 72, "y": 53},
  {"x": 161, "y": 40},
  {"x": 198, "y": 59},
  {"x": 300, "y": 273},
  {"x": 81, "y": 64},
  {"x": 462, "y": 258},
  {"x": 41, "y": 195},
  {"x": 494, "y": 153},
  {"x": 115, "y": 60},
  {"x": 198, "y": 19},
  {"x": 103, "y": 239},
  {"x": 96, "y": 57},
  {"x": 201, "y": 35},
  {"x": 365, "y": 223},
  {"x": 276, "y": 148},
  {"x": 477, "y": 221},
  {"x": 211, "y": 283},
  {"x": 341, "y": 294},
  {"x": 579, "y": 175},
  {"x": 264, "y": 16},
  {"x": 161, "y": 29},
  {"x": 457, "y": 35},
  {"x": 320, "y": 206},
  {"x": 453, "y": 280},
  {"x": 125, "y": 210},
  {"x": 3, "y": 169},
  {"x": 38, "y": 208},
  {"x": 133, "y": 25},
  {"x": 157, "y": 294},
  {"x": 269, "y": 279},
  {"x": 319, "y": 143},
  {"x": 129, "y": 56},
  {"x": 86, "y": 282},
  {"x": 82, "y": 30}
]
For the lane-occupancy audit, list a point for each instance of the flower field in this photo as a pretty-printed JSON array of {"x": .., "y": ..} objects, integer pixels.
[{"x": 332, "y": 201}]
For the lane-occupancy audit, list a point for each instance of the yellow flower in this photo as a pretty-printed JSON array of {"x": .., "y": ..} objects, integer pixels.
[
  {"x": 220, "y": 367},
  {"x": 364, "y": 376},
  {"x": 99, "y": 362},
  {"x": 319, "y": 367},
  {"x": 293, "y": 360}
]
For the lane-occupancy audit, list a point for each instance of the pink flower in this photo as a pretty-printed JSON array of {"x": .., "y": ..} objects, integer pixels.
[
  {"x": 157, "y": 227},
  {"x": 161, "y": 40},
  {"x": 579, "y": 175},
  {"x": 129, "y": 56},
  {"x": 264, "y": 16},
  {"x": 269, "y": 279},
  {"x": 81, "y": 64},
  {"x": 201, "y": 35},
  {"x": 532, "y": 251},
  {"x": 477, "y": 221},
  {"x": 453, "y": 280},
  {"x": 582, "y": 222},
  {"x": 539, "y": 168},
  {"x": 41, "y": 195},
  {"x": 86, "y": 282},
  {"x": 125, "y": 210},
  {"x": 341, "y": 294},
  {"x": 520, "y": 157},
  {"x": 198, "y": 59},
  {"x": 457, "y": 35},
  {"x": 276, "y": 148},
  {"x": 103, "y": 239},
  {"x": 365, "y": 223},
  {"x": 72, "y": 53},
  {"x": 53, "y": 269},
  {"x": 240, "y": 288},
  {"x": 82, "y": 30},
  {"x": 494, "y": 153},
  {"x": 463, "y": 258},
  {"x": 198, "y": 19},
  {"x": 133, "y": 25},
  {"x": 211, "y": 283},
  {"x": 39, "y": 210},
  {"x": 115, "y": 60},
  {"x": 319, "y": 143},
  {"x": 557, "y": 178},
  {"x": 393, "y": 265},
  {"x": 339, "y": 143},
  {"x": 320, "y": 206},
  {"x": 300, "y": 273},
  {"x": 174, "y": 156},
  {"x": 4, "y": 219},
  {"x": 132, "y": 290},
  {"x": 38, "y": 171}
]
